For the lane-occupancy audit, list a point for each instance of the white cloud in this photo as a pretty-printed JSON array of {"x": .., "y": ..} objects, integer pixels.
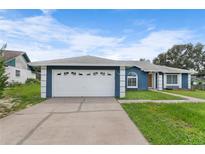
[
  {"x": 48, "y": 11},
  {"x": 43, "y": 37},
  {"x": 155, "y": 43},
  {"x": 147, "y": 24},
  {"x": 37, "y": 33}
]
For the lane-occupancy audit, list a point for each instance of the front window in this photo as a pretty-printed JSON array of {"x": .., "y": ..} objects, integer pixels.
[
  {"x": 132, "y": 81},
  {"x": 18, "y": 73},
  {"x": 172, "y": 79}
]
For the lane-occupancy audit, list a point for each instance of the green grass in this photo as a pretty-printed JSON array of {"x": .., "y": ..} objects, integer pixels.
[
  {"x": 23, "y": 96},
  {"x": 192, "y": 93},
  {"x": 149, "y": 95},
  {"x": 169, "y": 123}
]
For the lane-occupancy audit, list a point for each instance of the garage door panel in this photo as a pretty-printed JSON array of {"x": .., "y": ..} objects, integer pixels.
[{"x": 83, "y": 83}]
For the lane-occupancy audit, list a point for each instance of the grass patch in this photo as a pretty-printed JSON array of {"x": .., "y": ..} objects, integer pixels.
[
  {"x": 22, "y": 96},
  {"x": 191, "y": 93},
  {"x": 169, "y": 123},
  {"x": 149, "y": 95}
]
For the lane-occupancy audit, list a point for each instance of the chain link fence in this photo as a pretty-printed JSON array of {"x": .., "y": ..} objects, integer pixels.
[{"x": 198, "y": 85}]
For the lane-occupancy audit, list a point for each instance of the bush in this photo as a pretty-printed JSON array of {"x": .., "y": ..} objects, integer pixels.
[
  {"x": 14, "y": 84},
  {"x": 199, "y": 85},
  {"x": 32, "y": 81},
  {"x": 3, "y": 76}
]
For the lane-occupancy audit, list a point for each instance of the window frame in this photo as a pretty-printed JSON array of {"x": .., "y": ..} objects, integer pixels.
[
  {"x": 129, "y": 76},
  {"x": 177, "y": 75},
  {"x": 17, "y": 74}
]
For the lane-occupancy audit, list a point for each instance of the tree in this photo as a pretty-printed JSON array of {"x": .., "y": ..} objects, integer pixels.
[
  {"x": 143, "y": 59},
  {"x": 3, "y": 76},
  {"x": 185, "y": 56}
]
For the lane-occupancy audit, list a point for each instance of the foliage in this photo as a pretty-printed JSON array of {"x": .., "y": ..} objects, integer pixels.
[
  {"x": 32, "y": 81},
  {"x": 145, "y": 60},
  {"x": 185, "y": 56},
  {"x": 169, "y": 123},
  {"x": 3, "y": 76},
  {"x": 14, "y": 84}
]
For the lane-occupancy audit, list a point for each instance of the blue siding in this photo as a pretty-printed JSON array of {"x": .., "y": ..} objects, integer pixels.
[
  {"x": 49, "y": 76},
  {"x": 49, "y": 82},
  {"x": 11, "y": 63},
  {"x": 184, "y": 81},
  {"x": 117, "y": 82},
  {"x": 142, "y": 78}
]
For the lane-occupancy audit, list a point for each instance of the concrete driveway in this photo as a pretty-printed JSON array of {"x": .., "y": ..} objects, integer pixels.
[{"x": 71, "y": 121}]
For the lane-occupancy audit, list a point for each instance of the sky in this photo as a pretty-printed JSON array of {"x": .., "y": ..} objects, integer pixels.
[{"x": 114, "y": 34}]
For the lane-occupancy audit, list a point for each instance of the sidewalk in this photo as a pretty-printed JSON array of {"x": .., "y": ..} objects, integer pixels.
[{"x": 187, "y": 99}]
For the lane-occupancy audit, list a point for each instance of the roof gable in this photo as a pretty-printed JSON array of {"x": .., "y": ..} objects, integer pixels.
[{"x": 9, "y": 55}]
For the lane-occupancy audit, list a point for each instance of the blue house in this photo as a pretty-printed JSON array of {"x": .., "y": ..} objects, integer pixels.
[{"x": 94, "y": 76}]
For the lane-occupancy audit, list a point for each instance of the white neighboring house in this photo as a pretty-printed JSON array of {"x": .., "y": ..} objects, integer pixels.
[{"x": 17, "y": 68}]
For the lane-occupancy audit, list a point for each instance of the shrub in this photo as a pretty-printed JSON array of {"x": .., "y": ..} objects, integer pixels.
[
  {"x": 32, "y": 81},
  {"x": 3, "y": 76},
  {"x": 14, "y": 84}
]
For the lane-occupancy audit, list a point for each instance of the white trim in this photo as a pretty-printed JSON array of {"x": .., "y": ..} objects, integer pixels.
[
  {"x": 189, "y": 81},
  {"x": 154, "y": 80},
  {"x": 43, "y": 82},
  {"x": 122, "y": 81},
  {"x": 179, "y": 80},
  {"x": 159, "y": 81},
  {"x": 132, "y": 77}
]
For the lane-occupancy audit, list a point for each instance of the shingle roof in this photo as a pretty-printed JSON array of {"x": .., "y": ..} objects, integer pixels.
[
  {"x": 97, "y": 61},
  {"x": 8, "y": 54}
]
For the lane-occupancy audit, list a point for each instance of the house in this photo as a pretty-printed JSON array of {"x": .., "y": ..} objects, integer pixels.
[
  {"x": 17, "y": 68},
  {"x": 95, "y": 76}
]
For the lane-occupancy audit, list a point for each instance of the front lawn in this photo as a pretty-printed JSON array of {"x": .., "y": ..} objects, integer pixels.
[
  {"x": 20, "y": 97},
  {"x": 191, "y": 93},
  {"x": 169, "y": 123},
  {"x": 149, "y": 95}
]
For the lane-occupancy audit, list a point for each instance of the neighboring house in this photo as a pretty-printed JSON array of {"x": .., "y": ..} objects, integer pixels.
[
  {"x": 17, "y": 68},
  {"x": 94, "y": 76}
]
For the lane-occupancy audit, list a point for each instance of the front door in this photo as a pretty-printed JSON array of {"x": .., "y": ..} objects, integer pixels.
[{"x": 150, "y": 80}]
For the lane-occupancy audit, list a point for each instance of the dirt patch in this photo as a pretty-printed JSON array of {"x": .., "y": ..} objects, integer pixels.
[{"x": 6, "y": 105}]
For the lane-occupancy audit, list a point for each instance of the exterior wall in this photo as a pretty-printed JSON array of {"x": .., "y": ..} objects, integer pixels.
[
  {"x": 120, "y": 79},
  {"x": 43, "y": 82},
  {"x": 11, "y": 63},
  {"x": 24, "y": 74},
  {"x": 142, "y": 78},
  {"x": 21, "y": 62},
  {"x": 49, "y": 69}
]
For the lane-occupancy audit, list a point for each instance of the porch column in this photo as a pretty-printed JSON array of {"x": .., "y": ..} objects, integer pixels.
[
  {"x": 154, "y": 80},
  {"x": 122, "y": 81},
  {"x": 159, "y": 81},
  {"x": 189, "y": 81},
  {"x": 43, "y": 81}
]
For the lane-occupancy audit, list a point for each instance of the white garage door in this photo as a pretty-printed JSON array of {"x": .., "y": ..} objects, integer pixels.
[{"x": 68, "y": 83}]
